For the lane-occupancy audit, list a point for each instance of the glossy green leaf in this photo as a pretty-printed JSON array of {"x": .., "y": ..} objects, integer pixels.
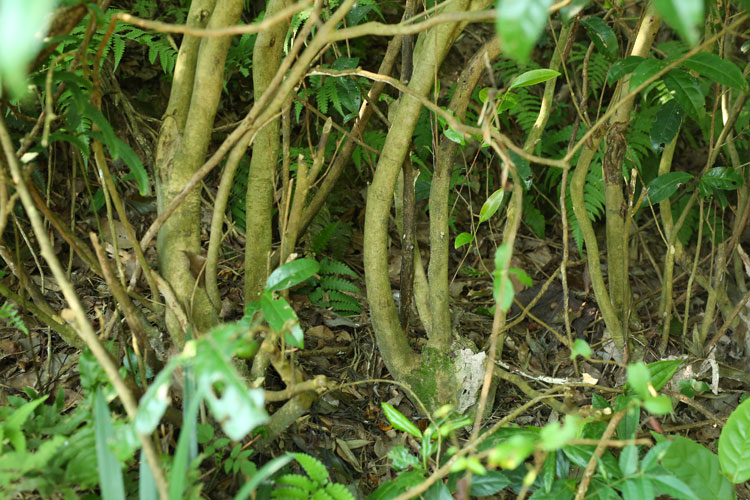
[
  {"x": 533, "y": 77},
  {"x": 399, "y": 421},
  {"x": 644, "y": 71},
  {"x": 438, "y": 491},
  {"x": 622, "y": 67},
  {"x": 491, "y": 205},
  {"x": 523, "y": 168},
  {"x": 666, "y": 124},
  {"x": 580, "y": 348},
  {"x": 454, "y": 136},
  {"x": 602, "y": 36},
  {"x": 698, "y": 468},
  {"x": 638, "y": 378},
  {"x": 291, "y": 273},
  {"x": 721, "y": 178},
  {"x": 463, "y": 239},
  {"x": 683, "y": 15},
  {"x": 686, "y": 91},
  {"x": 717, "y": 69},
  {"x": 662, "y": 371},
  {"x": 734, "y": 444},
  {"x": 664, "y": 186},
  {"x": 110, "y": 470},
  {"x": 277, "y": 312},
  {"x": 519, "y": 25},
  {"x": 488, "y": 484}
]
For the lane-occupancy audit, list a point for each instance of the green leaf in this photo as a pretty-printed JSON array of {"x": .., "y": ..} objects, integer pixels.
[
  {"x": 454, "y": 136},
  {"x": 580, "y": 348},
  {"x": 154, "y": 403},
  {"x": 521, "y": 275},
  {"x": 523, "y": 168},
  {"x": 664, "y": 186},
  {"x": 638, "y": 379},
  {"x": 602, "y": 36},
  {"x": 262, "y": 475},
  {"x": 622, "y": 67},
  {"x": 721, "y": 178},
  {"x": 644, "y": 71},
  {"x": 291, "y": 274},
  {"x": 658, "y": 405},
  {"x": 638, "y": 488},
  {"x": 399, "y": 421},
  {"x": 717, "y": 69},
  {"x": 22, "y": 24},
  {"x": 463, "y": 239},
  {"x": 313, "y": 467},
  {"x": 491, "y": 205},
  {"x": 734, "y": 444},
  {"x": 402, "y": 459},
  {"x": 277, "y": 312},
  {"x": 554, "y": 436},
  {"x": 519, "y": 25},
  {"x": 686, "y": 91},
  {"x": 666, "y": 124},
  {"x": 110, "y": 471},
  {"x": 137, "y": 171},
  {"x": 533, "y": 77},
  {"x": 698, "y": 468},
  {"x": 628, "y": 460},
  {"x": 488, "y": 484},
  {"x": 661, "y": 371},
  {"x": 512, "y": 452},
  {"x": 672, "y": 486},
  {"x": 682, "y": 15}
]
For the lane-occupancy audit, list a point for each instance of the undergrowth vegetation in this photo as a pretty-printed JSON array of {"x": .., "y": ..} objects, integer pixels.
[{"x": 491, "y": 249}]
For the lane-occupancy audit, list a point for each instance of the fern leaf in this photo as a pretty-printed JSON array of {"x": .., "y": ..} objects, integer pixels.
[
  {"x": 345, "y": 307},
  {"x": 330, "y": 266},
  {"x": 321, "y": 495},
  {"x": 118, "y": 44},
  {"x": 336, "y": 283},
  {"x": 321, "y": 239},
  {"x": 314, "y": 468},
  {"x": 289, "y": 492},
  {"x": 9, "y": 312},
  {"x": 297, "y": 481},
  {"x": 338, "y": 492}
]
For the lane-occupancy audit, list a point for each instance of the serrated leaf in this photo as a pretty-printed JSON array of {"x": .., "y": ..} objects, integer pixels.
[
  {"x": 602, "y": 36},
  {"x": 734, "y": 444},
  {"x": 488, "y": 484},
  {"x": 533, "y": 77},
  {"x": 338, "y": 492},
  {"x": 664, "y": 186},
  {"x": 666, "y": 124},
  {"x": 519, "y": 25},
  {"x": 399, "y": 421},
  {"x": 521, "y": 276},
  {"x": 337, "y": 283},
  {"x": 717, "y": 69},
  {"x": 683, "y": 15}
]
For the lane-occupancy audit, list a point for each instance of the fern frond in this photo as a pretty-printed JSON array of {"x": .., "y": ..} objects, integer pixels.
[
  {"x": 284, "y": 492},
  {"x": 321, "y": 239},
  {"x": 338, "y": 492},
  {"x": 313, "y": 467},
  {"x": 336, "y": 283},
  {"x": 297, "y": 481},
  {"x": 329, "y": 266},
  {"x": 9, "y": 312}
]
